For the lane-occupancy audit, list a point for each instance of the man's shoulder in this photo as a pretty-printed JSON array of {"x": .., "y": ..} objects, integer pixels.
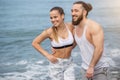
[
  {"x": 93, "y": 23},
  {"x": 94, "y": 26}
]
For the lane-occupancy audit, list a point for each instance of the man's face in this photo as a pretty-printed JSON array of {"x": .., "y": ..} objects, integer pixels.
[{"x": 77, "y": 13}]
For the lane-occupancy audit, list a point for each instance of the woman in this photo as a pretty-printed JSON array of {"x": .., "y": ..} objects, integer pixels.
[{"x": 61, "y": 37}]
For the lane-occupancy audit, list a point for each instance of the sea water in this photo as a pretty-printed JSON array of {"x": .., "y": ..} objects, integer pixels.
[{"x": 22, "y": 20}]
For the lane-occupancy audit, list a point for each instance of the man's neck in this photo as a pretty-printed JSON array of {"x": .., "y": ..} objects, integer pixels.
[{"x": 82, "y": 23}]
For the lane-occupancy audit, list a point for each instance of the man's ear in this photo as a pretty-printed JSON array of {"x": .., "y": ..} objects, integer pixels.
[
  {"x": 63, "y": 16},
  {"x": 84, "y": 12}
]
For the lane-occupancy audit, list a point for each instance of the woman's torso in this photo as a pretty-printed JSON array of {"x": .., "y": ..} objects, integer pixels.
[{"x": 66, "y": 44}]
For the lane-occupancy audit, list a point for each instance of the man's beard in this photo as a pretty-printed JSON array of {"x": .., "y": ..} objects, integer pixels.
[{"x": 78, "y": 20}]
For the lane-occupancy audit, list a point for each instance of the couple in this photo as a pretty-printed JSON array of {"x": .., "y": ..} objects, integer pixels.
[{"x": 87, "y": 34}]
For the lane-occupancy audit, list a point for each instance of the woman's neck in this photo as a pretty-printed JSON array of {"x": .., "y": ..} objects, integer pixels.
[{"x": 61, "y": 27}]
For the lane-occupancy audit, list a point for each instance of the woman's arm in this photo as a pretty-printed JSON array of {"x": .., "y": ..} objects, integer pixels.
[
  {"x": 37, "y": 41},
  {"x": 36, "y": 44}
]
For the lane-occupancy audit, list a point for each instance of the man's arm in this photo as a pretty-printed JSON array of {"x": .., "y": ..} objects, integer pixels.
[{"x": 98, "y": 43}]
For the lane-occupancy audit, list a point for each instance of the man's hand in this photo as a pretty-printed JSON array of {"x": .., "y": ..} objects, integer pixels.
[{"x": 90, "y": 72}]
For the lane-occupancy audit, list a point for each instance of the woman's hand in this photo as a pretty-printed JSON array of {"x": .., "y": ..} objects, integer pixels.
[
  {"x": 53, "y": 50},
  {"x": 52, "y": 59}
]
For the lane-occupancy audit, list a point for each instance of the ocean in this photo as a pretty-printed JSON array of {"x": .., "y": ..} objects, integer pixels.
[{"x": 22, "y": 20}]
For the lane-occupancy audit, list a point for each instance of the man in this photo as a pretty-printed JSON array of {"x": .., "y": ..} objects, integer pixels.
[{"x": 89, "y": 37}]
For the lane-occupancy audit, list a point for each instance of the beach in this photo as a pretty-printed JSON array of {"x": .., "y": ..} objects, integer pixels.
[{"x": 22, "y": 20}]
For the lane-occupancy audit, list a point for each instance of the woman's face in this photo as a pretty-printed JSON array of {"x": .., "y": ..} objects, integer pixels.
[{"x": 56, "y": 18}]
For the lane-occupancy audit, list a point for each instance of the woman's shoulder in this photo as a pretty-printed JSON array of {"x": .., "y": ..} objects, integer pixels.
[
  {"x": 69, "y": 25},
  {"x": 49, "y": 30}
]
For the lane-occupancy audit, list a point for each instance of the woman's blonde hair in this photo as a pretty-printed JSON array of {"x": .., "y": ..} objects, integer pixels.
[{"x": 61, "y": 11}]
